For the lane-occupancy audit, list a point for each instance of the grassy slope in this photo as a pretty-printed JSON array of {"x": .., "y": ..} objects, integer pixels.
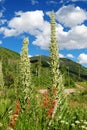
[
  {"x": 8, "y": 54},
  {"x": 74, "y": 68},
  {"x": 10, "y": 63},
  {"x": 65, "y": 65}
]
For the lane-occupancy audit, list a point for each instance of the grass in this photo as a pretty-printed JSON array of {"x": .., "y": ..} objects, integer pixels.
[
  {"x": 34, "y": 114},
  {"x": 84, "y": 84}
]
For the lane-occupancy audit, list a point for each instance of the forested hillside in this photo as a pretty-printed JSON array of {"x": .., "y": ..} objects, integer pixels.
[{"x": 11, "y": 59}]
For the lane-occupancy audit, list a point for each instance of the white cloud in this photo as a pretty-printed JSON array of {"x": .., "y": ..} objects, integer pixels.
[
  {"x": 34, "y": 2},
  {"x": 70, "y": 56},
  {"x": 1, "y": 2},
  {"x": 2, "y": 21},
  {"x": 30, "y": 56},
  {"x": 43, "y": 38},
  {"x": 79, "y": 0},
  {"x": 64, "y": 1},
  {"x": 52, "y": 2},
  {"x": 67, "y": 1},
  {"x": 28, "y": 22},
  {"x": 82, "y": 58},
  {"x": 61, "y": 55},
  {"x": 71, "y": 16},
  {"x": 32, "y": 22},
  {"x": 0, "y": 42},
  {"x": 76, "y": 38},
  {"x": 1, "y": 14}
]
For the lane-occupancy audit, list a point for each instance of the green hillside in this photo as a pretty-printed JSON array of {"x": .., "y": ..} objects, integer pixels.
[
  {"x": 71, "y": 67},
  {"x": 40, "y": 68},
  {"x": 8, "y": 54},
  {"x": 76, "y": 70},
  {"x": 10, "y": 61}
]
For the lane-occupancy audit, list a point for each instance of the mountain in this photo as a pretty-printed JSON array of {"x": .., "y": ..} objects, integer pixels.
[
  {"x": 40, "y": 68},
  {"x": 73, "y": 68},
  {"x": 71, "y": 71}
]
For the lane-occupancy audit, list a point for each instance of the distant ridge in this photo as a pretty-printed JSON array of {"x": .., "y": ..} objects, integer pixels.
[
  {"x": 71, "y": 66},
  {"x": 10, "y": 65}
]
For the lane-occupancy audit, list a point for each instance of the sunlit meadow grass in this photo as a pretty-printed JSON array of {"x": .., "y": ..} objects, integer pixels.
[{"x": 37, "y": 113}]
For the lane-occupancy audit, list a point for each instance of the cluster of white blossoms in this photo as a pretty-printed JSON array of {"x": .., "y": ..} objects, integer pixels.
[{"x": 82, "y": 124}]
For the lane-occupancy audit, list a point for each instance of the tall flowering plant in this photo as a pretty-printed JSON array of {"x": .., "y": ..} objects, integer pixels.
[
  {"x": 57, "y": 89},
  {"x": 1, "y": 76}
]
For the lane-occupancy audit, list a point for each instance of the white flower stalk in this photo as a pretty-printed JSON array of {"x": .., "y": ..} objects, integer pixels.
[
  {"x": 1, "y": 76},
  {"x": 25, "y": 75},
  {"x": 57, "y": 80},
  {"x": 54, "y": 57}
]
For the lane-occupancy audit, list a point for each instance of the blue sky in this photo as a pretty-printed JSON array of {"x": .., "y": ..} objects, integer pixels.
[{"x": 31, "y": 18}]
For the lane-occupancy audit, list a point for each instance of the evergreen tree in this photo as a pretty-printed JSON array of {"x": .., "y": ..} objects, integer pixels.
[
  {"x": 1, "y": 76},
  {"x": 25, "y": 76}
]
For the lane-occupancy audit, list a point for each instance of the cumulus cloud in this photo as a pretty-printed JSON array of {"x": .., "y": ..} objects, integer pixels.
[
  {"x": 70, "y": 56},
  {"x": 1, "y": 14},
  {"x": 53, "y": 2},
  {"x": 2, "y": 1},
  {"x": 64, "y": 1},
  {"x": 43, "y": 38},
  {"x": 28, "y": 22},
  {"x": 61, "y": 55},
  {"x": 25, "y": 21},
  {"x": 67, "y": 1},
  {"x": 82, "y": 58},
  {"x": 76, "y": 38},
  {"x": 0, "y": 42},
  {"x": 33, "y": 23},
  {"x": 34, "y": 2},
  {"x": 78, "y": 0},
  {"x": 71, "y": 16},
  {"x": 3, "y": 21},
  {"x": 30, "y": 56}
]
